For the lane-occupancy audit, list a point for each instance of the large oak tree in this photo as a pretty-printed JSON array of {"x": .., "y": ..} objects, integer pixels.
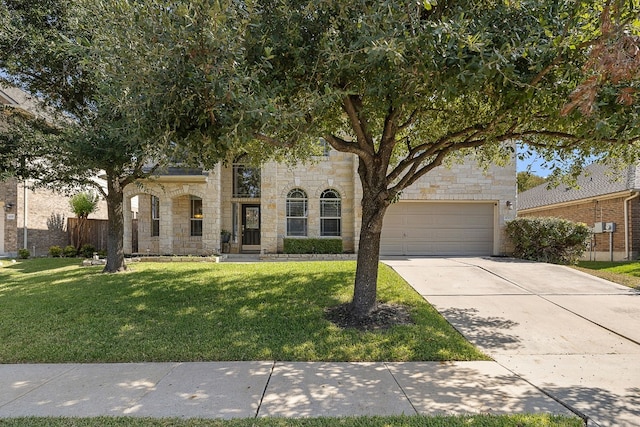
[
  {"x": 97, "y": 66},
  {"x": 404, "y": 85}
]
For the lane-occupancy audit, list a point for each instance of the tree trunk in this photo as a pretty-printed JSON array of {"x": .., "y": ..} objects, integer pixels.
[
  {"x": 115, "y": 230},
  {"x": 366, "y": 282},
  {"x": 80, "y": 227}
]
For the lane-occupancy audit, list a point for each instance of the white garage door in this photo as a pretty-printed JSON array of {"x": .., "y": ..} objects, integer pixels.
[{"x": 422, "y": 228}]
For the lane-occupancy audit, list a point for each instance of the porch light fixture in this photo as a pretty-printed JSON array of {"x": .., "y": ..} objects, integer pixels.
[
  {"x": 509, "y": 205},
  {"x": 8, "y": 206}
]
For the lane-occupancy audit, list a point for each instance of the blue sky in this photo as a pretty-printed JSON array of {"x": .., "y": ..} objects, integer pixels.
[{"x": 536, "y": 166}]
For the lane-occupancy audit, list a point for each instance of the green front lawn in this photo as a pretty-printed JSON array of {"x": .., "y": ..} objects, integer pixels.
[
  {"x": 540, "y": 420},
  {"x": 53, "y": 310},
  {"x": 624, "y": 273}
]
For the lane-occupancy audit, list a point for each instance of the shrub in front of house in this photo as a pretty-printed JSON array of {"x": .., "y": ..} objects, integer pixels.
[
  {"x": 55, "y": 251},
  {"x": 70, "y": 251},
  {"x": 24, "y": 253},
  {"x": 312, "y": 246},
  {"x": 87, "y": 250},
  {"x": 553, "y": 240}
]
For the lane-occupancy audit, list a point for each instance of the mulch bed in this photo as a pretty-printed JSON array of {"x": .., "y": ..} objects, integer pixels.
[{"x": 382, "y": 317}]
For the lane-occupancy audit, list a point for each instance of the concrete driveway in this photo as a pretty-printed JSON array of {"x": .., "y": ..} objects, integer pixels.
[{"x": 572, "y": 335}]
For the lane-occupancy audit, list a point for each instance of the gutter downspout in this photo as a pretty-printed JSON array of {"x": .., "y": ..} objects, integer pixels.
[{"x": 626, "y": 223}]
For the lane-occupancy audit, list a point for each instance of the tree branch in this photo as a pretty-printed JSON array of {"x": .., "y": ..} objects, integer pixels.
[
  {"x": 409, "y": 122},
  {"x": 351, "y": 105},
  {"x": 343, "y": 145},
  {"x": 273, "y": 141}
]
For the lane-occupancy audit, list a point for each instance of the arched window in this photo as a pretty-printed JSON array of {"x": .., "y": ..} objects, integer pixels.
[
  {"x": 330, "y": 213},
  {"x": 297, "y": 213},
  {"x": 196, "y": 216}
]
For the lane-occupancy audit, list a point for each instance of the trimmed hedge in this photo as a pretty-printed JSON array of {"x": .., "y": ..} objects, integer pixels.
[
  {"x": 553, "y": 240},
  {"x": 70, "y": 251},
  {"x": 24, "y": 253},
  {"x": 312, "y": 246},
  {"x": 55, "y": 251},
  {"x": 87, "y": 250}
]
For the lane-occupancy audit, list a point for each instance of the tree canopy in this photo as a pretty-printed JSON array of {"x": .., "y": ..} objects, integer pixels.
[
  {"x": 527, "y": 180},
  {"x": 405, "y": 85},
  {"x": 56, "y": 51}
]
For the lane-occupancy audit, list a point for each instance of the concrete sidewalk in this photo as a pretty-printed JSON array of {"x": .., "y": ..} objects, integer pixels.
[
  {"x": 261, "y": 389},
  {"x": 575, "y": 336}
]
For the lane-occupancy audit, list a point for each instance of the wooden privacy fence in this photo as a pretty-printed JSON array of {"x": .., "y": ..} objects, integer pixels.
[{"x": 89, "y": 231}]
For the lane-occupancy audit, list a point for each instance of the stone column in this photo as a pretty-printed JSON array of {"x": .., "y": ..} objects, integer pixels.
[
  {"x": 211, "y": 209},
  {"x": 128, "y": 235},
  {"x": 166, "y": 226}
]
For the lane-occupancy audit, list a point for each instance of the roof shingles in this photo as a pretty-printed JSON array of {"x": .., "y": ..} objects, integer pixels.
[{"x": 596, "y": 180}]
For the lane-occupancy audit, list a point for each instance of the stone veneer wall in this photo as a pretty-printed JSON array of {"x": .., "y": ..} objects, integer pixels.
[
  {"x": 175, "y": 215},
  {"x": 332, "y": 172},
  {"x": 467, "y": 182},
  {"x": 461, "y": 182},
  {"x": 8, "y": 194}
]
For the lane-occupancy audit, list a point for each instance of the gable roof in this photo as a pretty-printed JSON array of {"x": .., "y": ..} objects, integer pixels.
[{"x": 596, "y": 180}]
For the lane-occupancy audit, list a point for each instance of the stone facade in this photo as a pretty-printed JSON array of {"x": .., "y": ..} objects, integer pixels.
[
  {"x": 337, "y": 171},
  {"x": 8, "y": 219}
]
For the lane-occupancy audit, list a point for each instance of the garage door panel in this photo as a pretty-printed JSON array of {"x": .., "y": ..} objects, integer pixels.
[{"x": 427, "y": 228}]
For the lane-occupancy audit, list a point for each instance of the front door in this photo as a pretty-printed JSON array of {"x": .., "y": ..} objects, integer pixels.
[{"x": 250, "y": 228}]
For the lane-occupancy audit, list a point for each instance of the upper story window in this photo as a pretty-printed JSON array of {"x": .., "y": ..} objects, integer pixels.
[
  {"x": 330, "y": 213},
  {"x": 155, "y": 216},
  {"x": 297, "y": 212},
  {"x": 246, "y": 181},
  {"x": 196, "y": 216},
  {"x": 325, "y": 147}
]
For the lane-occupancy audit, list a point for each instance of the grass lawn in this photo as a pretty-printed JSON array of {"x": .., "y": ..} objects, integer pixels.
[
  {"x": 53, "y": 310},
  {"x": 624, "y": 273},
  {"x": 399, "y": 421}
]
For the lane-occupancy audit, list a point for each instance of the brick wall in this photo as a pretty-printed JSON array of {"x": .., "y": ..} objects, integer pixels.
[
  {"x": 604, "y": 210},
  {"x": 46, "y": 214}
]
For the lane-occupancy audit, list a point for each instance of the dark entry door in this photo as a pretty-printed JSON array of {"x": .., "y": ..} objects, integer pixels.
[{"x": 251, "y": 227}]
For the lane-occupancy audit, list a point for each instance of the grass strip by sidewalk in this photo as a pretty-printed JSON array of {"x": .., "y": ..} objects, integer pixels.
[
  {"x": 53, "y": 310},
  {"x": 537, "y": 420}
]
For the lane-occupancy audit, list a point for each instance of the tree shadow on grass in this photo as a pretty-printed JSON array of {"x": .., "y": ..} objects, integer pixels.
[{"x": 192, "y": 312}]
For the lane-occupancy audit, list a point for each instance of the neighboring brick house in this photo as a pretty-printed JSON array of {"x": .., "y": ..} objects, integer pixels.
[
  {"x": 602, "y": 196},
  {"x": 456, "y": 211},
  {"x": 31, "y": 218}
]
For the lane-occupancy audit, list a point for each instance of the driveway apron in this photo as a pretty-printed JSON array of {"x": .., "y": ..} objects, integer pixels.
[{"x": 572, "y": 335}]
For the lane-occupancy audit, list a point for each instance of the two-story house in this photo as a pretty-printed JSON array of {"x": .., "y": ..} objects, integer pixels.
[{"x": 451, "y": 211}]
